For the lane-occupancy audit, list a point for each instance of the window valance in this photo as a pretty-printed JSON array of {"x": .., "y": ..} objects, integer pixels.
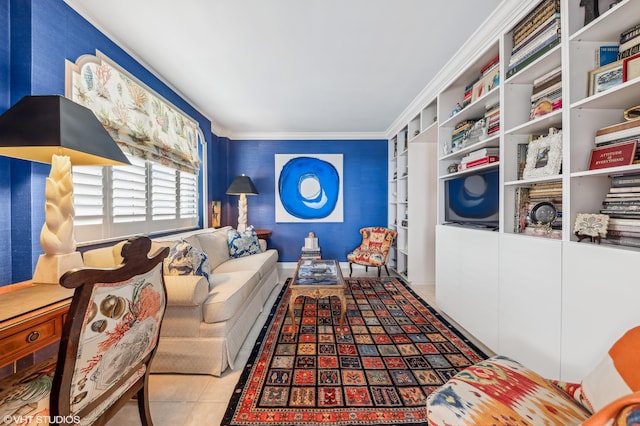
[{"x": 140, "y": 121}]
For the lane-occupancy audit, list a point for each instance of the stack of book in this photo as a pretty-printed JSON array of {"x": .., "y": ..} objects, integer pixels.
[
  {"x": 528, "y": 198},
  {"x": 478, "y": 158},
  {"x": 535, "y": 35},
  {"x": 547, "y": 93},
  {"x": 468, "y": 94},
  {"x": 492, "y": 116},
  {"x": 310, "y": 253},
  {"x": 457, "y": 135},
  {"x": 622, "y": 204},
  {"x": 612, "y": 138},
  {"x": 489, "y": 79},
  {"x": 629, "y": 42}
]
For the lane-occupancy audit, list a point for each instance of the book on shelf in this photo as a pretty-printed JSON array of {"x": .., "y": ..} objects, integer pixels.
[
  {"x": 625, "y": 125},
  {"x": 546, "y": 37},
  {"x": 625, "y": 189},
  {"x": 479, "y": 153},
  {"x": 534, "y": 19},
  {"x": 521, "y": 158},
  {"x": 520, "y": 212},
  {"x": 536, "y": 52},
  {"x": 629, "y": 33},
  {"x": 543, "y": 232},
  {"x": 623, "y": 233},
  {"x": 547, "y": 86},
  {"x": 478, "y": 162},
  {"x": 515, "y": 68},
  {"x": 632, "y": 179},
  {"x": 624, "y": 222},
  {"x": 630, "y": 51},
  {"x": 617, "y": 128},
  {"x": 552, "y": 20},
  {"x": 628, "y": 44},
  {"x": 621, "y": 241},
  {"x": 606, "y": 55},
  {"x": 548, "y": 76},
  {"x": 494, "y": 62},
  {"x": 625, "y": 228},
  {"x": 619, "y": 154},
  {"x": 546, "y": 101},
  {"x": 627, "y": 207}
]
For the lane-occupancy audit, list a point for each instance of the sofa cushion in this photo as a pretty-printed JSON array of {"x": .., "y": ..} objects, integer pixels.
[
  {"x": 618, "y": 374},
  {"x": 229, "y": 294},
  {"x": 262, "y": 262},
  {"x": 243, "y": 243},
  {"x": 216, "y": 246},
  {"x": 186, "y": 259}
]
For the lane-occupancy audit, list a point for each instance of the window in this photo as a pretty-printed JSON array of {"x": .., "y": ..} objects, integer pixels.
[{"x": 143, "y": 198}]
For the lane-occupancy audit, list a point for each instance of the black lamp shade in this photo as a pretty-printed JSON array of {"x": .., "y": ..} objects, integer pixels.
[
  {"x": 242, "y": 185},
  {"x": 37, "y": 127}
]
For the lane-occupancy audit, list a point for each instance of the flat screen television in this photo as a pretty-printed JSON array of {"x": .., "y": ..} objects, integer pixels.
[{"x": 473, "y": 199}]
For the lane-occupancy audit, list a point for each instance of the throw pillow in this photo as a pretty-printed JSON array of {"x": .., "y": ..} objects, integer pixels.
[
  {"x": 243, "y": 243},
  {"x": 616, "y": 375},
  {"x": 185, "y": 259},
  {"x": 216, "y": 246}
]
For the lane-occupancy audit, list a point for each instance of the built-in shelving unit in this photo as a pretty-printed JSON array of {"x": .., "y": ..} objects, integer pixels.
[
  {"x": 529, "y": 295},
  {"x": 412, "y": 196}
]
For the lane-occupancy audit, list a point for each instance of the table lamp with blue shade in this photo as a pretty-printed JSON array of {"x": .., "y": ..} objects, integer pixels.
[{"x": 53, "y": 129}]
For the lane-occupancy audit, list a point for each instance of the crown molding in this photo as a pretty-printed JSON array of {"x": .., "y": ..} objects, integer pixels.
[
  {"x": 307, "y": 136},
  {"x": 487, "y": 33}
]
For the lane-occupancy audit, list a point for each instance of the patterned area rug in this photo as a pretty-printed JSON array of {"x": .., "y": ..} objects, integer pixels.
[{"x": 377, "y": 369}]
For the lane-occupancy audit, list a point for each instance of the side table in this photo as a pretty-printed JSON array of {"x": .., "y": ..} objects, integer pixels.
[{"x": 263, "y": 234}]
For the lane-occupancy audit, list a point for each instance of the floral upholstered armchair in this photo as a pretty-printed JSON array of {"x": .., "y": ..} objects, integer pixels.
[
  {"x": 107, "y": 344},
  {"x": 501, "y": 391},
  {"x": 374, "y": 249}
]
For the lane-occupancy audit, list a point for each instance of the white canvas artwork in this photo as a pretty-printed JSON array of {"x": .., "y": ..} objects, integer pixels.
[{"x": 309, "y": 188}]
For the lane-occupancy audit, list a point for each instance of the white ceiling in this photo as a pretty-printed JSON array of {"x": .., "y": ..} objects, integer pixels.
[{"x": 289, "y": 67}]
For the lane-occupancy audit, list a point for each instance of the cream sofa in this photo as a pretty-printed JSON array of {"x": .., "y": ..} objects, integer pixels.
[{"x": 206, "y": 321}]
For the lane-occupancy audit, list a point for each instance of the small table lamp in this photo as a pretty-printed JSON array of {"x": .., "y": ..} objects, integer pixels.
[
  {"x": 56, "y": 130},
  {"x": 242, "y": 186}
]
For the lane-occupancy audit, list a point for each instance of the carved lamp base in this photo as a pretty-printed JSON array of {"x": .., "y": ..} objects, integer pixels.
[{"x": 51, "y": 267}]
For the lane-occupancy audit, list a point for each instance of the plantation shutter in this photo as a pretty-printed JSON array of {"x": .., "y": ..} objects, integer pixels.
[
  {"x": 163, "y": 192},
  {"x": 129, "y": 185},
  {"x": 88, "y": 195},
  {"x": 188, "y": 195}
]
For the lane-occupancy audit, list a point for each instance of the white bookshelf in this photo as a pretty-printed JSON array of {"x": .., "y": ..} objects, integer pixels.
[{"x": 554, "y": 304}]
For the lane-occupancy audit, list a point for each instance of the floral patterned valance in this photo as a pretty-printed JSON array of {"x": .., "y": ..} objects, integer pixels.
[{"x": 141, "y": 122}]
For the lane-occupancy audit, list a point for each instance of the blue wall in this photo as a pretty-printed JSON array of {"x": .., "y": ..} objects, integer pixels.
[
  {"x": 5, "y": 171},
  {"x": 364, "y": 184},
  {"x": 36, "y": 37}
]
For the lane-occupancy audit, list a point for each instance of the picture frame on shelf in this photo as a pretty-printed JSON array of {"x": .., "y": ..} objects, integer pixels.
[
  {"x": 631, "y": 67},
  {"x": 605, "y": 77},
  {"x": 544, "y": 156}
]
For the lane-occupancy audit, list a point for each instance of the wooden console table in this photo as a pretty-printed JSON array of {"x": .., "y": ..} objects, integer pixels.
[{"x": 31, "y": 317}]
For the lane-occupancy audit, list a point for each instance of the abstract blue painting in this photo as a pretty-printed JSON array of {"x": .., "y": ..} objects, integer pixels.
[{"x": 309, "y": 188}]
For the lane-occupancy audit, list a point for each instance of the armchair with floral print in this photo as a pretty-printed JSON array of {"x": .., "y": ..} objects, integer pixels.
[{"x": 374, "y": 249}]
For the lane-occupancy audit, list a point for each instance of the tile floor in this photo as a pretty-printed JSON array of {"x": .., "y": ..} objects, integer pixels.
[{"x": 202, "y": 400}]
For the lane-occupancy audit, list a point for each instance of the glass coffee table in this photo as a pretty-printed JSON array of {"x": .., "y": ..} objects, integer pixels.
[{"x": 318, "y": 279}]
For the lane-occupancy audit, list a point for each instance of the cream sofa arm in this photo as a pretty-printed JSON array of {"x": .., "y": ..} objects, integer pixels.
[{"x": 186, "y": 290}]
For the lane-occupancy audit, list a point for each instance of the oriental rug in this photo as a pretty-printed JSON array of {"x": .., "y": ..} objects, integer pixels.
[{"x": 377, "y": 369}]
